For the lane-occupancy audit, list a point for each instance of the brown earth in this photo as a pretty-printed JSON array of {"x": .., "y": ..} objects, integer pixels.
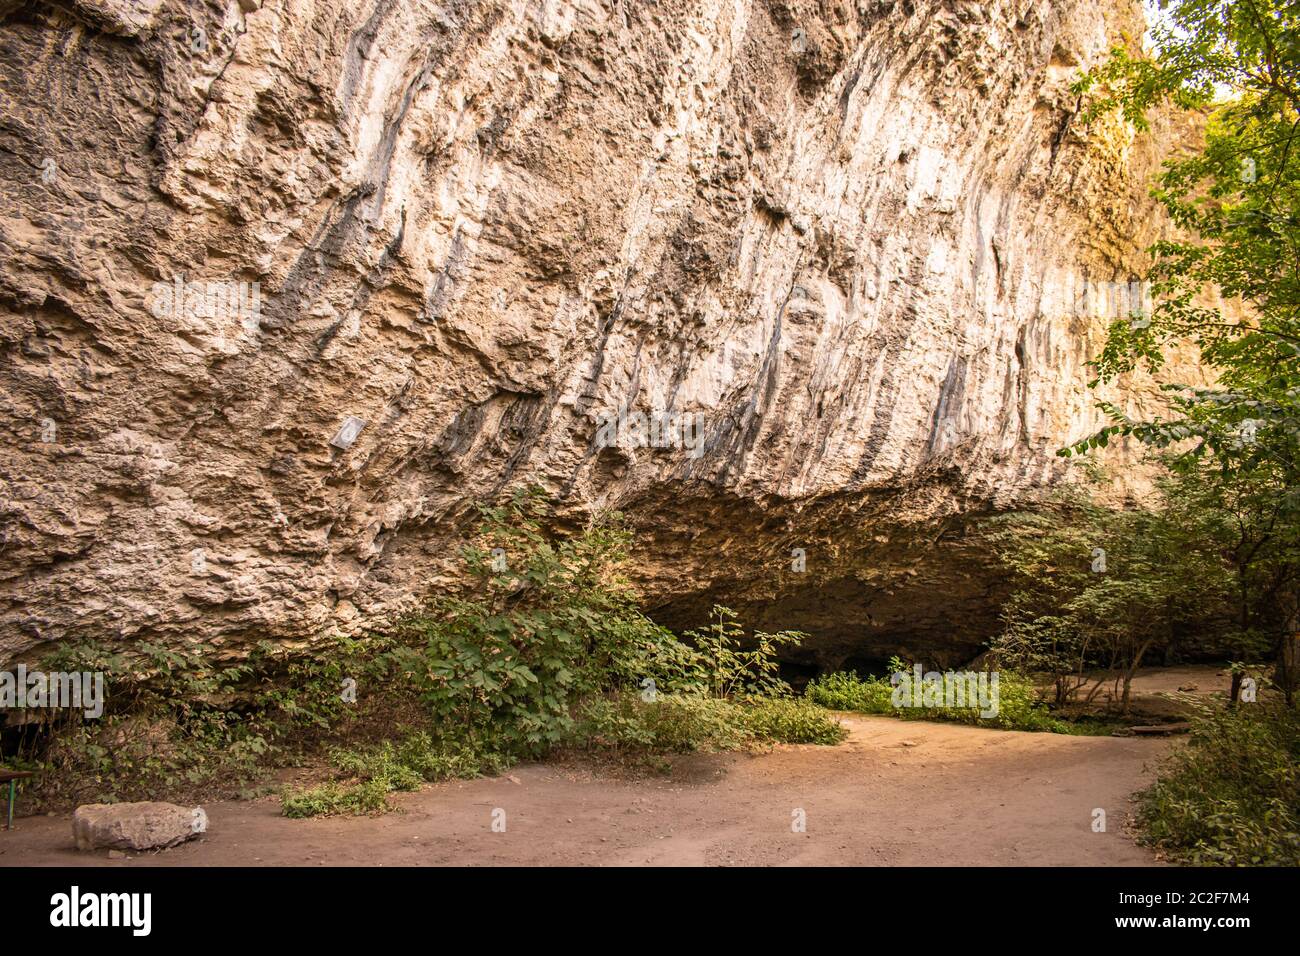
[{"x": 895, "y": 793}]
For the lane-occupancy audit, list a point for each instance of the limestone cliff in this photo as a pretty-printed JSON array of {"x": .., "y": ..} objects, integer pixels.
[{"x": 832, "y": 238}]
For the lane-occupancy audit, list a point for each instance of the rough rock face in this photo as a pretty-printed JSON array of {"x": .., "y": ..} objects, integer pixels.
[
  {"x": 135, "y": 826},
  {"x": 832, "y": 236}
]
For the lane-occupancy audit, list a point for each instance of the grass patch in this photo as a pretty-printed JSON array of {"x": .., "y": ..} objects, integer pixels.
[{"x": 372, "y": 773}]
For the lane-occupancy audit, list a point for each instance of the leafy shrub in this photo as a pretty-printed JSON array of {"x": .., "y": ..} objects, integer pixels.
[
  {"x": 166, "y": 727},
  {"x": 728, "y": 667},
  {"x": 377, "y": 771},
  {"x": 1019, "y": 708},
  {"x": 335, "y": 798},
  {"x": 545, "y": 624},
  {"x": 788, "y": 720},
  {"x": 684, "y": 723},
  {"x": 546, "y": 648},
  {"x": 1231, "y": 797},
  {"x": 845, "y": 690},
  {"x": 1019, "y": 704},
  {"x": 670, "y": 723}
]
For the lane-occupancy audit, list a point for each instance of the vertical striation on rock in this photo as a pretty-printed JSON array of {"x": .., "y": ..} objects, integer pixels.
[{"x": 286, "y": 287}]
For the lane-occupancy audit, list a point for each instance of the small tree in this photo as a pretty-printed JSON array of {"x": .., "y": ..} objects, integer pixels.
[
  {"x": 1096, "y": 588},
  {"x": 1237, "y": 202}
]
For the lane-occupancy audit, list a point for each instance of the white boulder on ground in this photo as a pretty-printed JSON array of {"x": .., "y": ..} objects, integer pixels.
[{"x": 136, "y": 826}]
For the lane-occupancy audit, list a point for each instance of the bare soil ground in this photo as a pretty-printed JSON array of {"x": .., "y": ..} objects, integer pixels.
[{"x": 896, "y": 792}]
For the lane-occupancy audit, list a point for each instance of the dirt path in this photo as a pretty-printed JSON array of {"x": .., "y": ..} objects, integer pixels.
[{"x": 897, "y": 792}]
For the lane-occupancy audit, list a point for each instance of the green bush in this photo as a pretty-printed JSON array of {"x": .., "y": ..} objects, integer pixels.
[
  {"x": 1231, "y": 797},
  {"x": 727, "y": 667},
  {"x": 845, "y": 690},
  {"x": 335, "y": 798},
  {"x": 685, "y": 723},
  {"x": 544, "y": 625},
  {"x": 788, "y": 720},
  {"x": 1019, "y": 704},
  {"x": 378, "y": 771},
  {"x": 1020, "y": 707},
  {"x": 167, "y": 727},
  {"x": 670, "y": 723}
]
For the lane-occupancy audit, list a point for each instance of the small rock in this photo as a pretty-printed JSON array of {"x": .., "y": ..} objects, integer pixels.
[
  {"x": 1187, "y": 688},
  {"x": 135, "y": 826},
  {"x": 116, "y": 855}
]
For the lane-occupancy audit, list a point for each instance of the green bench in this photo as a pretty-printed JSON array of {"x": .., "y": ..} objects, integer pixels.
[{"x": 12, "y": 777}]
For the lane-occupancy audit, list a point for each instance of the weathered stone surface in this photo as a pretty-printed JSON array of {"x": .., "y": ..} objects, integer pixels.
[
  {"x": 135, "y": 826},
  {"x": 836, "y": 232}
]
